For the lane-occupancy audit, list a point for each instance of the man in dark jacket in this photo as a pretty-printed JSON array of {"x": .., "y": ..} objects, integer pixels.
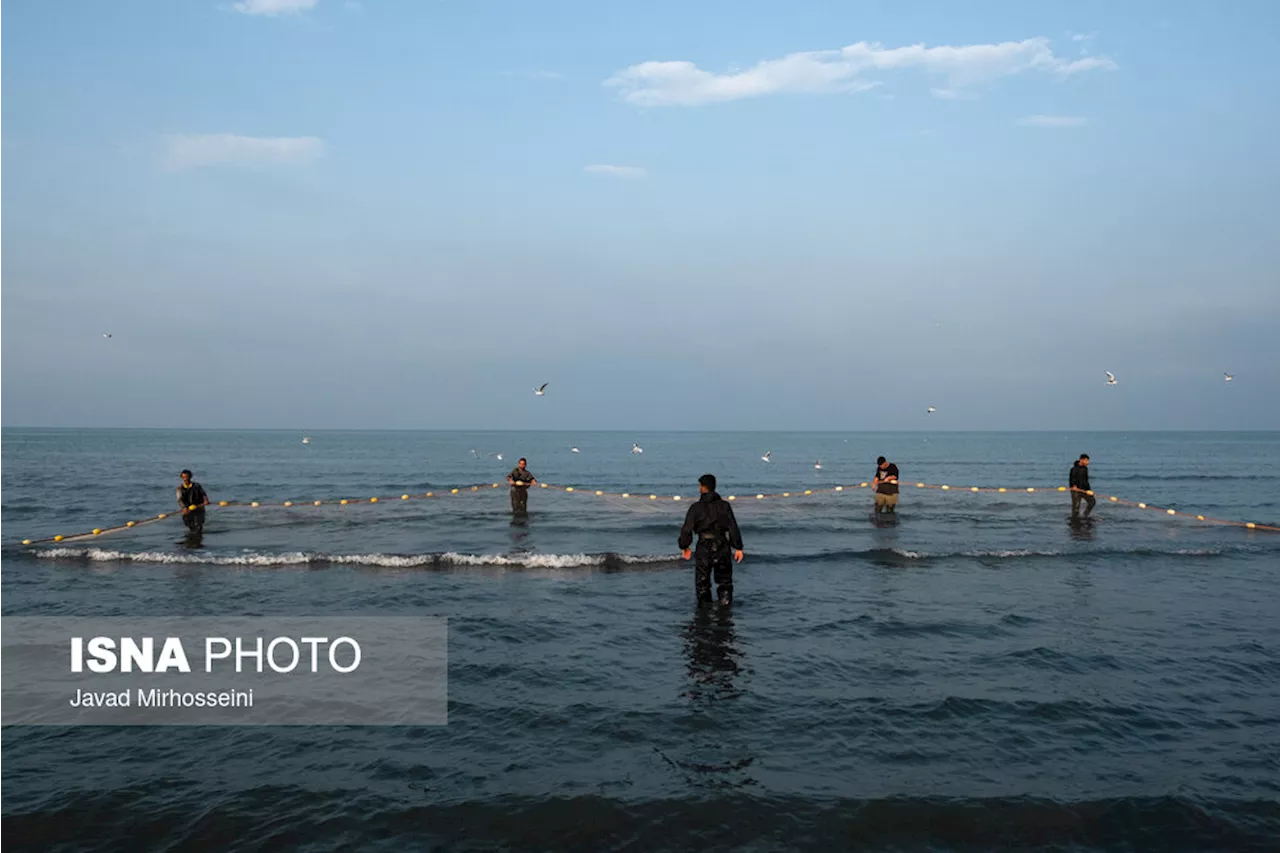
[
  {"x": 192, "y": 498},
  {"x": 711, "y": 520},
  {"x": 1078, "y": 480},
  {"x": 521, "y": 478}
]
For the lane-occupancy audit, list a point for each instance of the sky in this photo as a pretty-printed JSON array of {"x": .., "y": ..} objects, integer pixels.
[{"x": 718, "y": 215}]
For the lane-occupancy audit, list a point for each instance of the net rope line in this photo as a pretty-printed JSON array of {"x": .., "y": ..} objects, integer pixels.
[{"x": 654, "y": 497}]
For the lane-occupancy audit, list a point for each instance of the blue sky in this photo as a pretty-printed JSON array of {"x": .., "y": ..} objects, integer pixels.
[{"x": 737, "y": 215}]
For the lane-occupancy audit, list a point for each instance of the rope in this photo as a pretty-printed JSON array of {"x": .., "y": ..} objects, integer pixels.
[{"x": 655, "y": 498}]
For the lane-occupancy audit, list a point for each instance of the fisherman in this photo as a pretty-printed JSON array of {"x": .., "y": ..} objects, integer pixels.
[
  {"x": 711, "y": 520},
  {"x": 520, "y": 479},
  {"x": 193, "y": 500},
  {"x": 1078, "y": 480},
  {"x": 885, "y": 486}
]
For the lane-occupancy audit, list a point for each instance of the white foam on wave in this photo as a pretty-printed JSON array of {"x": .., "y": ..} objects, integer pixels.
[{"x": 295, "y": 558}]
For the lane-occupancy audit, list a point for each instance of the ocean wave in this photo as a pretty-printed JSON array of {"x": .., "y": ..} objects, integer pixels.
[
  {"x": 292, "y": 816},
  {"x": 398, "y": 561}
]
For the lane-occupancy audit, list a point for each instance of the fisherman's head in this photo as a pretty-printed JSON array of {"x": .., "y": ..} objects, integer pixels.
[
  {"x": 185, "y": 475},
  {"x": 1084, "y": 459},
  {"x": 707, "y": 483},
  {"x": 882, "y": 462},
  {"x": 522, "y": 463}
]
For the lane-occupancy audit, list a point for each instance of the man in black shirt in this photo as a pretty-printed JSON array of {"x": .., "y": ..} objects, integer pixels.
[
  {"x": 711, "y": 520},
  {"x": 1078, "y": 480},
  {"x": 520, "y": 479},
  {"x": 885, "y": 485},
  {"x": 193, "y": 500}
]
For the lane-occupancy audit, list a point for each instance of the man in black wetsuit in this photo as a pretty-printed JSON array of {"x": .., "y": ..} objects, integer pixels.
[
  {"x": 885, "y": 485},
  {"x": 1078, "y": 480},
  {"x": 711, "y": 520},
  {"x": 520, "y": 479},
  {"x": 193, "y": 500}
]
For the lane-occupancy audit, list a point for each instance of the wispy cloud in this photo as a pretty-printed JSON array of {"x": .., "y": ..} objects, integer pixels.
[
  {"x": 195, "y": 151},
  {"x": 1053, "y": 121},
  {"x": 661, "y": 84},
  {"x": 535, "y": 75},
  {"x": 952, "y": 94},
  {"x": 273, "y": 7},
  {"x": 627, "y": 172},
  {"x": 1084, "y": 36}
]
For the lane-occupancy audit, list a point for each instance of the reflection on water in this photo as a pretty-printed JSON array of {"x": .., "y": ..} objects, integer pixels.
[{"x": 713, "y": 656}]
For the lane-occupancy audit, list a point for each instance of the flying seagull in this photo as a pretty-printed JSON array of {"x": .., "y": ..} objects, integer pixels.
[
  {"x": 636, "y": 448},
  {"x": 106, "y": 335},
  {"x": 1228, "y": 376},
  {"x": 1111, "y": 377},
  {"x": 306, "y": 439},
  {"x": 817, "y": 466},
  {"x": 574, "y": 450},
  {"x": 931, "y": 410},
  {"x": 766, "y": 456},
  {"x": 473, "y": 453},
  {"x": 542, "y": 392}
]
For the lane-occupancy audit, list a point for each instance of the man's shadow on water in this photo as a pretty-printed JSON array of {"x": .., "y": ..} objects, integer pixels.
[
  {"x": 1081, "y": 528},
  {"x": 713, "y": 661},
  {"x": 710, "y": 645}
]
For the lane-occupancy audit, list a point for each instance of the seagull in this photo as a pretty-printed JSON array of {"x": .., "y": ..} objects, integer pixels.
[
  {"x": 574, "y": 450},
  {"x": 498, "y": 456},
  {"x": 306, "y": 439},
  {"x": 541, "y": 392},
  {"x": 1111, "y": 377},
  {"x": 817, "y": 466},
  {"x": 106, "y": 336},
  {"x": 635, "y": 448},
  {"x": 931, "y": 410},
  {"x": 766, "y": 456},
  {"x": 476, "y": 455},
  {"x": 1228, "y": 377}
]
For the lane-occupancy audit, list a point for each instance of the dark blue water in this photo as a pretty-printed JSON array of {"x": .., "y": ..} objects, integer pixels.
[{"x": 981, "y": 675}]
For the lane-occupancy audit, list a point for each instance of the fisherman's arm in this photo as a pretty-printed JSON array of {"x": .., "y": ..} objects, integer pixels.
[
  {"x": 177, "y": 493},
  {"x": 735, "y": 535},
  {"x": 686, "y": 533}
]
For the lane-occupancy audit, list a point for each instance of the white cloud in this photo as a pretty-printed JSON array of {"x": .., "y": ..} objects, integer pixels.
[
  {"x": 952, "y": 94},
  {"x": 628, "y": 172},
  {"x": 1053, "y": 121},
  {"x": 660, "y": 84},
  {"x": 1084, "y": 36},
  {"x": 273, "y": 7},
  {"x": 194, "y": 151}
]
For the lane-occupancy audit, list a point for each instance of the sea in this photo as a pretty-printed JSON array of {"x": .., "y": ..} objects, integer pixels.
[{"x": 980, "y": 674}]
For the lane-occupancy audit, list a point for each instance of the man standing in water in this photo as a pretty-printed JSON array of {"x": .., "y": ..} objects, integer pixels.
[
  {"x": 711, "y": 520},
  {"x": 520, "y": 479},
  {"x": 1078, "y": 480},
  {"x": 193, "y": 500},
  {"x": 885, "y": 485}
]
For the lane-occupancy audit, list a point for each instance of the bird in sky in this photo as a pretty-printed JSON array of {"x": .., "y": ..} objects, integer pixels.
[
  {"x": 1111, "y": 377},
  {"x": 1228, "y": 376},
  {"x": 306, "y": 439},
  {"x": 542, "y": 392},
  {"x": 931, "y": 410},
  {"x": 106, "y": 335},
  {"x": 574, "y": 450},
  {"x": 817, "y": 466},
  {"x": 766, "y": 456},
  {"x": 498, "y": 456},
  {"x": 636, "y": 448}
]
